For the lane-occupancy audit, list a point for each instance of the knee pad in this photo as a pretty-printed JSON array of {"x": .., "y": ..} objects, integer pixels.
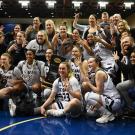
[{"x": 91, "y": 98}]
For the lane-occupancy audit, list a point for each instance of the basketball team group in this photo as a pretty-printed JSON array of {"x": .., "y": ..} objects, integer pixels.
[{"x": 49, "y": 72}]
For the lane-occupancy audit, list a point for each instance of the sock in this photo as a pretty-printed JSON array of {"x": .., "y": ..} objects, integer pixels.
[{"x": 104, "y": 111}]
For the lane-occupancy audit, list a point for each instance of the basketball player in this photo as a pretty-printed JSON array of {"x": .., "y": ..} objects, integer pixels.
[
  {"x": 27, "y": 73},
  {"x": 77, "y": 62},
  {"x": 6, "y": 70},
  {"x": 67, "y": 94},
  {"x": 102, "y": 98}
]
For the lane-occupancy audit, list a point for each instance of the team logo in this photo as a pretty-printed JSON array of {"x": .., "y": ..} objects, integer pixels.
[{"x": 57, "y": 60}]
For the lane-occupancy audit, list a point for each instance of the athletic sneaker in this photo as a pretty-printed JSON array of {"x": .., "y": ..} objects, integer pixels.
[
  {"x": 12, "y": 107},
  {"x": 56, "y": 113},
  {"x": 105, "y": 118}
]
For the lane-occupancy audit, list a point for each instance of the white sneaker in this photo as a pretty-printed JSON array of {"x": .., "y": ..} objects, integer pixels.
[
  {"x": 105, "y": 118},
  {"x": 56, "y": 113},
  {"x": 12, "y": 107}
]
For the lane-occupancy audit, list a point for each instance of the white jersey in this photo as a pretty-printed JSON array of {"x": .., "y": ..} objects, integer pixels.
[
  {"x": 40, "y": 49},
  {"x": 46, "y": 69},
  {"x": 63, "y": 95},
  {"x": 91, "y": 75},
  {"x": 105, "y": 54},
  {"x": 29, "y": 73},
  {"x": 109, "y": 88},
  {"x": 86, "y": 55},
  {"x": 7, "y": 76},
  {"x": 76, "y": 71}
]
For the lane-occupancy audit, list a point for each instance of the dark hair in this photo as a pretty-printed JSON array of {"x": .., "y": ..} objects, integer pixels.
[
  {"x": 64, "y": 24},
  {"x": 79, "y": 48},
  {"x": 93, "y": 15},
  {"x": 105, "y": 13},
  {"x": 13, "y": 32},
  {"x": 48, "y": 49},
  {"x": 31, "y": 50},
  {"x": 18, "y": 25},
  {"x": 131, "y": 69},
  {"x": 98, "y": 60},
  {"x": 41, "y": 27},
  {"x": 22, "y": 32},
  {"x": 77, "y": 30},
  {"x": 38, "y": 18}
]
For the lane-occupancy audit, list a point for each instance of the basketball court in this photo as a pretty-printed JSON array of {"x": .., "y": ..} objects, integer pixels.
[{"x": 63, "y": 126}]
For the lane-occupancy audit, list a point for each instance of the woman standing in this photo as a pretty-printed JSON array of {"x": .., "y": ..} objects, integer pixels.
[
  {"x": 62, "y": 43},
  {"x": 50, "y": 29},
  {"x": 33, "y": 29},
  {"x": 77, "y": 62},
  {"x": 17, "y": 49},
  {"x": 10, "y": 37},
  {"x": 77, "y": 40},
  {"x": 92, "y": 28}
]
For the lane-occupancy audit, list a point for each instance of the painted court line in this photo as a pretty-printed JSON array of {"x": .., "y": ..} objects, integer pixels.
[{"x": 18, "y": 123}]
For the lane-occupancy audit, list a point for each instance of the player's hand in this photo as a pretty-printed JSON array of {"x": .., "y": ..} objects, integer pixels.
[
  {"x": 66, "y": 85},
  {"x": 77, "y": 16},
  {"x": 115, "y": 56},
  {"x": 43, "y": 111}
]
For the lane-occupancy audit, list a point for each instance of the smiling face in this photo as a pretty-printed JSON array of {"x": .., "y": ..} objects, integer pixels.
[
  {"x": 41, "y": 37},
  {"x": 20, "y": 38},
  {"x": 132, "y": 58},
  {"x": 126, "y": 43},
  {"x": 63, "y": 70},
  {"x": 49, "y": 54},
  {"x": 116, "y": 18},
  {"x": 93, "y": 64},
  {"x": 105, "y": 17},
  {"x": 36, "y": 22},
  {"x": 121, "y": 27},
  {"x": 76, "y": 52},
  {"x": 63, "y": 30},
  {"x": 5, "y": 60},
  {"x": 125, "y": 34},
  {"x": 75, "y": 35},
  {"x": 92, "y": 20},
  {"x": 49, "y": 25},
  {"x": 90, "y": 38},
  {"x": 30, "y": 56},
  {"x": 17, "y": 28}
]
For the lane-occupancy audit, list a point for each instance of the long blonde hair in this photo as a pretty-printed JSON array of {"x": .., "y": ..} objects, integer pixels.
[
  {"x": 50, "y": 22},
  {"x": 70, "y": 73},
  {"x": 127, "y": 27}
]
